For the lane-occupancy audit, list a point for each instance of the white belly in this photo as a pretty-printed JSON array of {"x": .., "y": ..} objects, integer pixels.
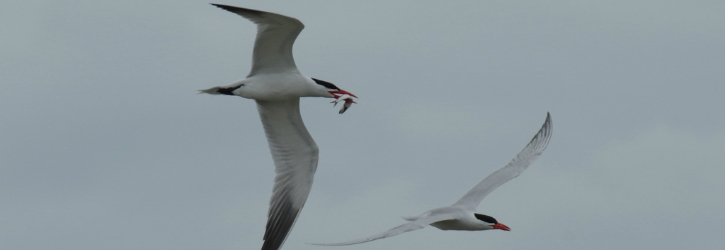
[{"x": 276, "y": 87}]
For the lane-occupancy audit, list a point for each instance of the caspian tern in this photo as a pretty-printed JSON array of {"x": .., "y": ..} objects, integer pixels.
[
  {"x": 276, "y": 85},
  {"x": 462, "y": 214}
]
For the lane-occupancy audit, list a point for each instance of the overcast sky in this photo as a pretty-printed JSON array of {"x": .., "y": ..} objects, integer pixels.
[{"x": 105, "y": 143}]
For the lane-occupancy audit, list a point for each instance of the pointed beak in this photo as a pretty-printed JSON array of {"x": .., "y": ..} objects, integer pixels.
[
  {"x": 501, "y": 227},
  {"x": 338, "y": 93}
]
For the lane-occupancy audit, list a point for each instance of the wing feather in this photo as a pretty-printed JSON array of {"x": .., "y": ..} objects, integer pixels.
[
  {"x": 295, "y": 158},
  {"x": 275, "y": 36},
  {"x": 407, "y": 227},
  {"x": 511, "y": 170}
]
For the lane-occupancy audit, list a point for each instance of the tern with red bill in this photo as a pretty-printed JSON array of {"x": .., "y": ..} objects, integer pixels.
[
  {"x": 462, "y": 214},
  {"x": 276, "y": 85}
]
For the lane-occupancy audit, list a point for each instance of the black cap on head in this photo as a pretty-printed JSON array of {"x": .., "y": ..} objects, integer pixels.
[
  {"x": 486, "y": 218},
  {"x": 328, "y": 85}
]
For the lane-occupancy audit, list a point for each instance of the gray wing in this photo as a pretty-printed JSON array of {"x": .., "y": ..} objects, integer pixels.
[
  {"x": 407, "y": 227},
  {"x": 295, "y": 159},
  {"x": 275, "y": 36},
  {"x": 510, "y": 171}
]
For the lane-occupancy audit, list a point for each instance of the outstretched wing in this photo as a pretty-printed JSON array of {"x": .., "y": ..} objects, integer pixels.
[
  {"x": 275, "y": 36},
  {"x": 510, "y": 171},
  {"x": 407, "y": 227},
  {"x": 295, "y": 160}
]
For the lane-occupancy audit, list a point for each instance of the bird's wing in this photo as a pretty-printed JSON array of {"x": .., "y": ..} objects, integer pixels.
[
  {"x": 407, "y": 227},
  {"x": 295, "y": 160},
  {"x": 275, "y": 36},
  {"x": 510, "y": 171}
]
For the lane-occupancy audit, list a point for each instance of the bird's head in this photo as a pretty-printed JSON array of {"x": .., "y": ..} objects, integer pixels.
[
  {"x": 337, "y": 93},
  {"x": 492, "y": 222}
]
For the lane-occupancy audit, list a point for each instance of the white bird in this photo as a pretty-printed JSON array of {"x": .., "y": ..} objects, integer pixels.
[
  {"x": 276, "y": 85},
  {"x": 462, "y": 214}
]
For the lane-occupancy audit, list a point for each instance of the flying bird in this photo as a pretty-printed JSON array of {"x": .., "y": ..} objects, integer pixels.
[
  {"x": 462, "y": 214},
  {"x": 276, "y": 85}
]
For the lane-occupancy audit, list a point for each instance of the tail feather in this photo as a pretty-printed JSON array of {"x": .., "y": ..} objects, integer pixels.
[
  {"x": 211, "y": 91},
  {"x": 415, "y": 217},
  {"x": 409, "y": 218},
  {"x": 225, "y": 90}
]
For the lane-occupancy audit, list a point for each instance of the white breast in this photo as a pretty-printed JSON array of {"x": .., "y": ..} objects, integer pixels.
[{"x": 279, "y": 87}]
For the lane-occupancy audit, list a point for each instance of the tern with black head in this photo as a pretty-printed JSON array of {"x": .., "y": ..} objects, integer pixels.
[
  {"x": 462, "y": 214},
  {"x": 276, "y": 85}
]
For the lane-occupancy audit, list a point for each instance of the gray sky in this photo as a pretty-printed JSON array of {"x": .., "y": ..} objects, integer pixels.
[{"x": 105, "y": 143}]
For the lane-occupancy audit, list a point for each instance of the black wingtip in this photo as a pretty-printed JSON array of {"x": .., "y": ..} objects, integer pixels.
[
  {"x": 226, "y": 7},
  {"x": 238, "y": 10},
  {"x": 547, "y": 125}
]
